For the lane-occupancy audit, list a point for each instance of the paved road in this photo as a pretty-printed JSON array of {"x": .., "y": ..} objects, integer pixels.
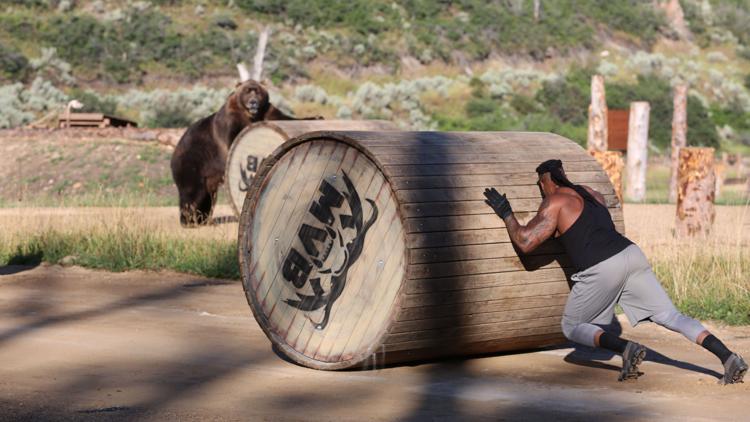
[{"x": 77, "y": 344}]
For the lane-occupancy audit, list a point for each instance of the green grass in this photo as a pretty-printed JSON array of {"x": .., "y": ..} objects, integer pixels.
[
  {"x": 122, "y": 249},
  {"x": 657, "y": 188},
  {"x": 708, "y": 285},
  {"x": 707, "y": 280},
  {"x": 705, "y": 287},
  {"x": 94, "y": 199}
]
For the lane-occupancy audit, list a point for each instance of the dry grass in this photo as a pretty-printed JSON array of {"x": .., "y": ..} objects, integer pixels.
[
  {"x": 707, "y": 278},
  {"x": 118, "y": 239}
]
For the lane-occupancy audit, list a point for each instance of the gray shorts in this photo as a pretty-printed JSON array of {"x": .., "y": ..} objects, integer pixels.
[{"x": 625, "y": 279}]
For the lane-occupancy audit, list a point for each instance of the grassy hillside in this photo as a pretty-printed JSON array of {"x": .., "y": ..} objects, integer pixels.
[{"x": 463, "y": 64}]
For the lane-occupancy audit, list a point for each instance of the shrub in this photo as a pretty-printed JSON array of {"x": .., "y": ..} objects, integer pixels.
[
  {"x": 20, "y": 105},
  {"x": 162, "y": 108},
  {"x": 171, "y": 115},
  {"x": 658, "y": 92},
  {"x": 524, "y": 104},
  {"x": 94, "y": 102},
  {"x": 12, "y": 110},
  {"x": 14, "y": 66},
  {"x": 51, "y": 67},
  {"x": 479, "y": 106},
  {"x": 567, "y": 98}
]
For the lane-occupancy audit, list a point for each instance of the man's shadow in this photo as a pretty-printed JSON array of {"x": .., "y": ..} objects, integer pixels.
[{"x": 589, "y": 356}]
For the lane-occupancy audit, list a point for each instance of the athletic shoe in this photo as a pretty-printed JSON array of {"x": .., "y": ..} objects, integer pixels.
[
  {"x": 734, "y": 370},
  {"x": 631, "y": 358}
]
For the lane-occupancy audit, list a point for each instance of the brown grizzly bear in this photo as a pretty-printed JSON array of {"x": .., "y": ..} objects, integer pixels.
[{"x": 200, "y": 156}]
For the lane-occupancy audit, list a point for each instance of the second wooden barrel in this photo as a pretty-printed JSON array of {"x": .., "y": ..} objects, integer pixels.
[
  {"x": 364, "y": 247},
  {"x": 257, "y": 141}
]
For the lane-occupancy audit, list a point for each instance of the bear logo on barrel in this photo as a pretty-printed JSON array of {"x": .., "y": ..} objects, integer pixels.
[{"x": 332, "y": 239}]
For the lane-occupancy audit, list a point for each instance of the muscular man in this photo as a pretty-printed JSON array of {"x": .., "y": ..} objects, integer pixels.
[{"x": 611, "y": 270}]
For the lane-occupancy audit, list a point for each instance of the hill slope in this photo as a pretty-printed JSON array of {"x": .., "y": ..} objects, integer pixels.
[{"x": 464, "y": 64}]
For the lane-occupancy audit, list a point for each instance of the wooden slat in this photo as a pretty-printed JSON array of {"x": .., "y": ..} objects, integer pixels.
[
  {"x": 520, "y": 341},
  {"x": 497, "y": 159},
  {"x": 483, "y": 331},
  {"x": 469, "y": 319},
  {"x": 359, "y": 282},
  {"x": 451, "y": 310},
  {"x": 513, "y": 139},
  {"x": 440, "y": 284},
  {"x": 264, "y": 222},
  {"x": 523, "y": 208},
  {"x": 497, "y": 139},
  {"x": 481, "y": 266},
  {"x": 83, "y": 116},
  {"x": 412, "y": 149},
  {"x": 406, "y": 196},
  {"x": 363, "y": 175},
  {"x": 488, "y": 180},
  {"x": 467, "y": 237},
  {"x": 485, "y": 294},
  {"x": 271, "y": 219},
  {"x": 323, "y": 157},
  {"x": 358, "y": 326},
  {"x": 484, "y": 251},
  {"x": 417, "y": 170},
  {"x": 454, "y": 223}
]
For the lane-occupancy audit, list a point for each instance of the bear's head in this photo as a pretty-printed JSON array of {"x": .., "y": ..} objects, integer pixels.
[{"x": 252, "y": 97}]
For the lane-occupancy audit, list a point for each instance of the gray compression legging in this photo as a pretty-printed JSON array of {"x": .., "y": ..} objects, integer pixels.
[
  {"x": 585, "y": 333},
  {"x": 626, "y": 279}
]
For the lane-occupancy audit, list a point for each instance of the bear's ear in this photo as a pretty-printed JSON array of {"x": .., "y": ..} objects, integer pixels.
[{"x": 238, "y": 84}]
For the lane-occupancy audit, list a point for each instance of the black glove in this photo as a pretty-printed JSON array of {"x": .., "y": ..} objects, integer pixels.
[{"x": 498, "y": 202}]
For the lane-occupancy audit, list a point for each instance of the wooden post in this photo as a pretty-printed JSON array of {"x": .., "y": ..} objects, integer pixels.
[
  {"x": 720, "y": 170},
  {"x": 637, "y": 150},
  {"x": 679, "y": 135},
  {"x": 244, "y": 73},
  {"x": 537, "y": 5},
  {"x": 612, "y": 163},
  {"x": 260, "y": 53},
  {"x": 597, "y": 136},
  {"x": 695, "y": 195}
]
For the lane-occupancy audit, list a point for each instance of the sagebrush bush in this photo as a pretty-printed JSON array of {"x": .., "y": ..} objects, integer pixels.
[
  {"x": 20, "y": 105},
  {"x": 176, "y": 108},
  {"x": 14, "y": 66}
]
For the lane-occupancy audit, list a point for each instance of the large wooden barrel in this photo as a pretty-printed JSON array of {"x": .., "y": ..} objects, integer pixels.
[
  {"x": 377, "y": 247},
  {"x": 257, "y": 141}
]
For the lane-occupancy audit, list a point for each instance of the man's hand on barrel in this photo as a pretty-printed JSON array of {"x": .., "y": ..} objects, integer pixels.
[{"x": 498, "y": 202}]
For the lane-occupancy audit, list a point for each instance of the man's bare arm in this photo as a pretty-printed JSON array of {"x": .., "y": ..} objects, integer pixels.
[{"x": 539, "y": 229}]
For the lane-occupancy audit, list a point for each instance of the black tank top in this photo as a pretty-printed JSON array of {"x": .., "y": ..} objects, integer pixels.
[{"x": 592, "y": 238}]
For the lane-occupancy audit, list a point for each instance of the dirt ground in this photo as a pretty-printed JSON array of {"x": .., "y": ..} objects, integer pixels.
[
  {"x": 78, "y": 344},
  {"x": 51, "y": 167}
]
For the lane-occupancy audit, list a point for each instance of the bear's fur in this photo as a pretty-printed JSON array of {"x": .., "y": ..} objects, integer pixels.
[{"x": 200, "y": 157}]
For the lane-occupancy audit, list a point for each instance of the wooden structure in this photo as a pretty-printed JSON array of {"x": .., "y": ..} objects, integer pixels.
[
  {"x": 256, "y": 142},
  {"x": 612, "y": 163},
  {"x": 361, "y": 247},
  {"x": 617, "y": 129},
  {"x": 637, "y": 150},
  {"x": 720, "y": 170},
  {"x": 597, "y": 134},
  {"x": 99, "y": 120},
  {"x": 695, "y": 195},
  {"x": 679, "y": 136}
]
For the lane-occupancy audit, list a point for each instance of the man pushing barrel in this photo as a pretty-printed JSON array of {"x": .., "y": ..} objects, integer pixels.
[{"x": 611, "y": 270}]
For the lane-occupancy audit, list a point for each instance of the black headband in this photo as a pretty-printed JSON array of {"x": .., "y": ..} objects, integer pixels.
[{"x": 548, "y": 166}]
